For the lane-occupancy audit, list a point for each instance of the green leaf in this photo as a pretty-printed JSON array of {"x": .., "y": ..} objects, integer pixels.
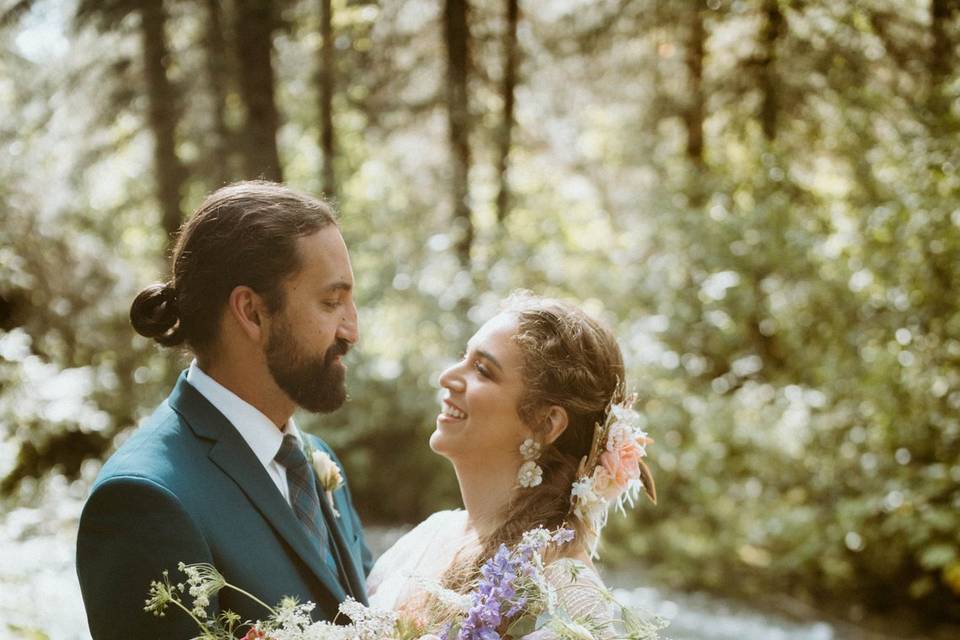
[{"x": 522, "y": 626}]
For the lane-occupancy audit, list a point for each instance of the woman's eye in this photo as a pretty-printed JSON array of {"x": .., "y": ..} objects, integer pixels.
[{"x": 482, "y": 370}]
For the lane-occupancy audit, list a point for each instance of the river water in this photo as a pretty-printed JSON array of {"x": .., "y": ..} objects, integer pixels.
[{"x": 40, "y": 598}]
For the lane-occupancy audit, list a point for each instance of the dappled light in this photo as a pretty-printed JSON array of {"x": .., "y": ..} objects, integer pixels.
[{"x": 761, "y": 197}]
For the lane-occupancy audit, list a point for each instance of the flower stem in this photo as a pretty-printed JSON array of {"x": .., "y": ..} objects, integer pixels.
[{"x": 252, "y": 597}]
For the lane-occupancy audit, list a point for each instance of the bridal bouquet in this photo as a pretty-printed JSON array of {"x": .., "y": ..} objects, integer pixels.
[
  {"x": 514, "y": 598},
  {"x": 515, "y": 592}
]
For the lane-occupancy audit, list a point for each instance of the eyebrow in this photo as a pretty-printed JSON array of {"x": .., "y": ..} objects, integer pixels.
[
  {"x": 486, "y": 355},
  {"x": 339, "y": 286}
]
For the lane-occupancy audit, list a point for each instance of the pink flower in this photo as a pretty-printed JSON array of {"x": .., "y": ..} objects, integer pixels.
[
  {"x": 623, "y": 463},
  {"x": 603, "y": 484}
]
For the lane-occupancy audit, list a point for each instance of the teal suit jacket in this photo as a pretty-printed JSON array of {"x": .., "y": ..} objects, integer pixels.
[{"x": 186, "y": 488}]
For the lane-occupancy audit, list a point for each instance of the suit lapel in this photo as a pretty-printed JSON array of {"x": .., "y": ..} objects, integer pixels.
[
  {"x": 233, "y": 456},
  {"x": 334, "y": 524}
]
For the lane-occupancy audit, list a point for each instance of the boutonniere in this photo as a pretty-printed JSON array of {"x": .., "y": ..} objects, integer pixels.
[{"x": 328, "y": 474}]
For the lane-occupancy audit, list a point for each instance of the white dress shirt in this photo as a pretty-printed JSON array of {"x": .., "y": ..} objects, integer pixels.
[{"x": 261, "y": 435}]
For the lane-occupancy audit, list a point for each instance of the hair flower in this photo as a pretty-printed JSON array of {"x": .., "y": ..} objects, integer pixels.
[{"x": 613, "y": 474}]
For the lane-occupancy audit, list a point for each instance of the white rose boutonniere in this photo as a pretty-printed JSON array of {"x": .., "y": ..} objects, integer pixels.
[{"x": 328, "y": 474}]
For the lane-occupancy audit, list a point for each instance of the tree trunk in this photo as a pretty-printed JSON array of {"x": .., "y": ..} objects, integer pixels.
[
  {"x": 327, "y": 79},
  {"x": 506, "y": 124},
  {"x": 941, "y": 58},
  {"x": 456, "y": 37},
  {"x": 254, "y": 39},
  {"x": 217, "y": 72},
  {"x": 162, "y": 116},
  {"x": 693, "y": 116},
  {"x": 770, "y": 35}
]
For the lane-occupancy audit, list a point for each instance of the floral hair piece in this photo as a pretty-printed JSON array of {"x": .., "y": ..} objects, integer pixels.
[{"x": 613, "y": 473}]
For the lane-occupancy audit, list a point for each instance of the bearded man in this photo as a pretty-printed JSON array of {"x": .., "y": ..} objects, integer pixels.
[{"x": 261, "y": 293}]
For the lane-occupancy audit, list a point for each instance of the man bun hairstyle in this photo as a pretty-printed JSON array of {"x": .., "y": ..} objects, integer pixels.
[
  {"x": 243, "y": 234},
  {"x": 154, "y": 314}
]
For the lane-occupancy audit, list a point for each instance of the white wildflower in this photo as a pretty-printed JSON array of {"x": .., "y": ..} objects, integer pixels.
[
  {"x": 448, "y": 597},
  {"x": 203, "y": 581},
  {"x": 535, "y": 538},
  {"x": 571, "y": 630},
  {"x": 585, "y": 499},
  {"x": 626, "y": 414}
]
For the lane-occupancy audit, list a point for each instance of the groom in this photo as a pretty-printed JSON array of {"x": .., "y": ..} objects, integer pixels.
[{"x": 262, "y": 295}]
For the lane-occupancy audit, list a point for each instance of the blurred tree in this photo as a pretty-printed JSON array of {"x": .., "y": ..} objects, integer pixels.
[
  {"x": 456, "y": 34},
  {"x": 254, "y": 26},
  {"x": 163, "y": 113},
  {"x": 216, "y": 56},
  {"x": 511, "y": 54},
  {"x": 327, "y": 75}
]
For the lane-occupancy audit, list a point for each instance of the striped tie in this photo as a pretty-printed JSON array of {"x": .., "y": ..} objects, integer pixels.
[{"x": 303, "y": 494}]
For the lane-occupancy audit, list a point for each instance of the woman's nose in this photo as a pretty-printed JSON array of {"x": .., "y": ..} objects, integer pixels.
[{"x": 452, "y": 380}]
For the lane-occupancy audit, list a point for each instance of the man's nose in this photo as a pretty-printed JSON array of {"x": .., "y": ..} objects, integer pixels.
[{"x": 349, "y": 328}]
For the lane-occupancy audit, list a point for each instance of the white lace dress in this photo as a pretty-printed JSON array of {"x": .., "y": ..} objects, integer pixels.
[{"x": 422, "y": 555}]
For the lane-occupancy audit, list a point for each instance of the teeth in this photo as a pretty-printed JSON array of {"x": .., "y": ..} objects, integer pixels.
[{"x": 453, "y": 412}]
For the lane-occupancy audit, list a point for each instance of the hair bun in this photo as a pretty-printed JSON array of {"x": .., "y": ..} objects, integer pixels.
[{"x": 154, "y": 314}]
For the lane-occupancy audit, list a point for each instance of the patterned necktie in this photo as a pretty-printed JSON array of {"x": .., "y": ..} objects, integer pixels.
[{"x": 303, "y": 494}]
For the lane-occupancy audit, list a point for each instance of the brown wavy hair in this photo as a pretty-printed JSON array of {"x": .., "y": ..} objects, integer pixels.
[
  {"x": 570, "y": 360},
  {"x": 242, "y": 234}
]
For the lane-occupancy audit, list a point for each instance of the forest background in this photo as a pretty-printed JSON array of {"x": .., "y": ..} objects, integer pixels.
[{"x": 761, "y": 196}]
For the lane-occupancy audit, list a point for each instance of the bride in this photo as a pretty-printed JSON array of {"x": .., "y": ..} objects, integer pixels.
[{"x": 518, "y": 423}]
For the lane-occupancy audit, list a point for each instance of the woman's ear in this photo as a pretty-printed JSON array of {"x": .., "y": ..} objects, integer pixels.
[{"x": 555, "y": 421}]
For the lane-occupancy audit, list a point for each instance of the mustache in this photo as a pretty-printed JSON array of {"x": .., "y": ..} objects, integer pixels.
[{"x": 340, "y": 347}]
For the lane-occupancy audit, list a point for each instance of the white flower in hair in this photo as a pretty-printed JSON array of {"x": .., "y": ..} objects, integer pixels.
[{"x": 587, "y": 500}]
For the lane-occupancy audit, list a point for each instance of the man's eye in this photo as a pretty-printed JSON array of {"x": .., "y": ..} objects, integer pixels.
[{"x": 331, "y": 304}]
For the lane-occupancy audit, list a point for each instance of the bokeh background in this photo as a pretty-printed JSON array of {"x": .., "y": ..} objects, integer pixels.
[{"x": 761, "y": 196}]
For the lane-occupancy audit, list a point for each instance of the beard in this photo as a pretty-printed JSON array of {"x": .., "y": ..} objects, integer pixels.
[{"x": 317, "y": 384}]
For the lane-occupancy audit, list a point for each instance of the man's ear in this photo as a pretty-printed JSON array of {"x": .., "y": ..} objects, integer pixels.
[
  {"x": 248, "y": 310},
  {"x": 555, "y": 422}
]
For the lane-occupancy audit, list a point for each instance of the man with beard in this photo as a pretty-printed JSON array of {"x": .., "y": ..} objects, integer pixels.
[{"x": 262, "y": 294}]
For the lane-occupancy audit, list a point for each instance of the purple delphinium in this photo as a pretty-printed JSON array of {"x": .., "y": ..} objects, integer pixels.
[{"x": 495, "y": 599}]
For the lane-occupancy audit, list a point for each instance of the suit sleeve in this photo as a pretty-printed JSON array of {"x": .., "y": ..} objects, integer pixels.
[{"x": 131, "y": 530}]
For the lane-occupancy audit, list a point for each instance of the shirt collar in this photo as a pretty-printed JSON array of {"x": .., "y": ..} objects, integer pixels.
[{"x": 260, "y": 434}]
